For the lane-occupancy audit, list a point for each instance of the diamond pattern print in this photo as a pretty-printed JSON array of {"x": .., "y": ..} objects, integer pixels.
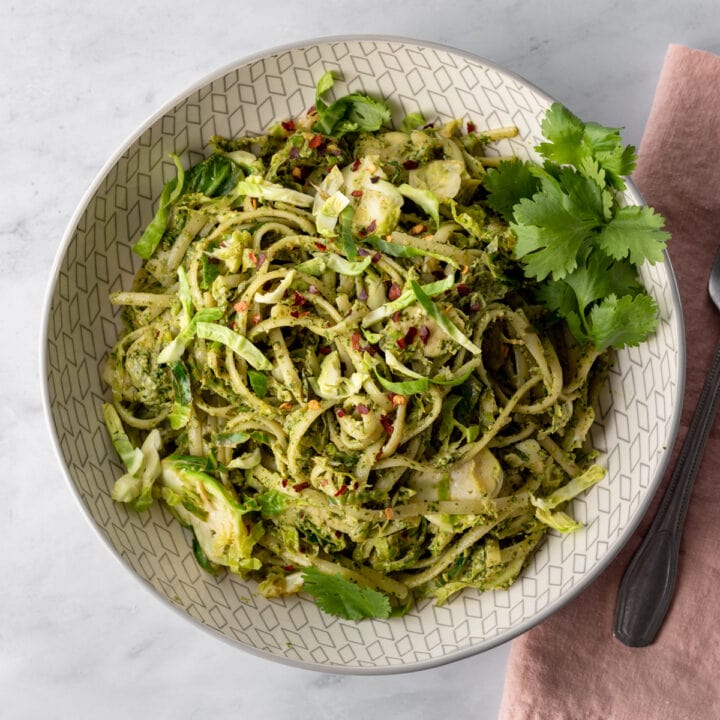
[{"x": 636, "y": 418}]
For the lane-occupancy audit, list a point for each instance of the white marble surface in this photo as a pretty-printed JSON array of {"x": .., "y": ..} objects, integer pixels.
[{"x": 78, "y": 636}]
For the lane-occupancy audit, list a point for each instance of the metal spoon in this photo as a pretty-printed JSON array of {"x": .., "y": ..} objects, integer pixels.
[{"x": 647, "y": 587}]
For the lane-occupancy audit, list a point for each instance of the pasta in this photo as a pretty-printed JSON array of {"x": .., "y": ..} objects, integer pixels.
[{"x": 332, "y": 360}]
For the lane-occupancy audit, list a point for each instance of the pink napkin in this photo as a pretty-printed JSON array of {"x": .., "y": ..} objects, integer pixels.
[{"x": 570, "y": 666}]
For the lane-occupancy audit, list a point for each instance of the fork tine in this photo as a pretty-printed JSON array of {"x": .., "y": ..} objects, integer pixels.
[{"x": 714, "y": 282}]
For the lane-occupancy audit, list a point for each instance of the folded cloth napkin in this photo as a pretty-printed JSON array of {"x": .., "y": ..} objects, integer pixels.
[{"x": 570, "y": 666}]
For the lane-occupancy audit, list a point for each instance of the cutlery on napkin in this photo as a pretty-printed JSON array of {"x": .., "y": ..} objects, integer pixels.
[{"x": 570, "y": 667}]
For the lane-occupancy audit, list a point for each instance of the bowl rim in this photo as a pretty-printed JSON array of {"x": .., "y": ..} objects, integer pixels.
[{"x": 465, "y": 652}]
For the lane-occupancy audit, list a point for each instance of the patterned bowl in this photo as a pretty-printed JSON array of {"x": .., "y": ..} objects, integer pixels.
[{"x": 637, "y": 418}]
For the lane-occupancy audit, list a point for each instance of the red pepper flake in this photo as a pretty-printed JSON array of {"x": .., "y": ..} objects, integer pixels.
[
  {"x": 284, "y": 482},
  {"x": 389, "y": 513},
  {"x": 338, "y": 534},
  {"x": 410, "y": 164},
  {"x": 242, "y": 306},
  {"x": 374, "y": 179},
  {"x": 357, "y": 193},
  {"x": 376, "y": 257},
  {"x": 316, "y": 141},
  {"x": 355, "y": 340},
  {"x": 396, "y": 316},
  {"x": 378, "y": 455},
  {"x": 294, "y": 314},
  {"x": 356, "y": 485},
  {"x": 356, "y": 164},
  {"x": 398, "y": 400},
  {"x": 474, "y": 307},
  {"x": 288, "y": 568},
  {"x": 341, "y": 490},
  {"x": 321, "y": 246},
  {"x": 253, "y": 257},
  {"x": 256, "y": 319},
  {"x": 370, "y": 350},
  {"x": 288, "y": 125},
  {"x": 387, "y": 424},
  {"x": 471, "y": 127},
  {"x": 285, "y": 406},
  {"x": 231, "y": 324},
  {"x": 340, "y": 412},
  {"x": 424, "y": 334},
  {"x": 299, "y": 487},
  {"x": 298, "y": 298},
  {"x": 394, "y": 292},
  {"x": 462, "y": 289},
  {"x": 362, "y": 409},
  {"x": 408, "y": 338},
  {"x": 324, "y": 350}
]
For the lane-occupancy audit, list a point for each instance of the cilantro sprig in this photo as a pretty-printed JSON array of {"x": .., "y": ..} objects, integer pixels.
[
  {"x": 574, "y": 237},
  {"x": 337, "y": 596}
]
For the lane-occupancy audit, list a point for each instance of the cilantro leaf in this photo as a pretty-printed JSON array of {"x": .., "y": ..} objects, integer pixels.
[
  {"x": 599, "y": 276},
  {"x": 550, "y": 249},
  {"x": 559, "y": 297},
  {"x": 596, "y": 277},
  {"x": 564, "y": 131},
  {"x": 584, "y": 197},
  {"x": 351, "y": 113},
  {"x": 552, "y": 225},
  {"x": 616, "y": 322},
  {"x": 571, "y": 141},
  {"x": 507, "y": 184},
  {"x": 605, "y": 145},
  {"x": 635, "y": 232},
  {"x": 340, "y": 597}
]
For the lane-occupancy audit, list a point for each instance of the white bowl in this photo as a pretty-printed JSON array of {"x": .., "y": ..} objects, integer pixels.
[{"x": 637, "y": 419}]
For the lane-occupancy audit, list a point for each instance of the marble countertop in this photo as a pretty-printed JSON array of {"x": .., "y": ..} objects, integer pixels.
[{"x": 79, "y": 637}]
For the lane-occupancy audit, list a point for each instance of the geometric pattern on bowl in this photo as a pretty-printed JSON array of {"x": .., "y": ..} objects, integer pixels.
[{"x": 637, "y": 418}]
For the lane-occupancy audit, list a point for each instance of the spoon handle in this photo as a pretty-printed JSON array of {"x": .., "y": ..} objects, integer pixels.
[{"x": 646, "y": 589}]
